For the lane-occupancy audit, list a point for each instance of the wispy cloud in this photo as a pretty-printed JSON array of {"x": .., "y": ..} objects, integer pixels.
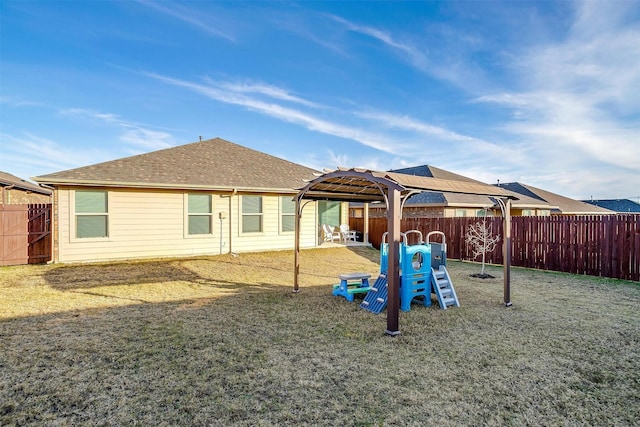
[
  {"x": 287, "y": 114},
  {"x": 262, "y": 89},
  {"x": 413, "y": 54},
  {"x": 208, "y": 25},
  {"x": 400, "y": 136},
  {"x": 32, "y": 152},
  {"x": 575, "y": 112},
  {"x": 405, "y": 122},
  {"x": 131, "y": 133},
  {"x": 19, "y": 102},
  {"x": 443, "y": 56}
]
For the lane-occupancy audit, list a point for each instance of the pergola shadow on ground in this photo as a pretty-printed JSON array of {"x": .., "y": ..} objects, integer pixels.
[{"x": 393, "y": 189}]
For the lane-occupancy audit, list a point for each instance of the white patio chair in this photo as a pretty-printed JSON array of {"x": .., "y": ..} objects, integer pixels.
[
  {"x": 347, "y": 234},
  {"x": 329, "y": 234}
]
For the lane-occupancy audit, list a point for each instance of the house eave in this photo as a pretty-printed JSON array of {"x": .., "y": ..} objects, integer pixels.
[{"x": 163, "y": 186}]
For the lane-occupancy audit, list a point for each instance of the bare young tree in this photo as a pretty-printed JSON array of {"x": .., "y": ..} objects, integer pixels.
[{"x": 481, "y": 239}]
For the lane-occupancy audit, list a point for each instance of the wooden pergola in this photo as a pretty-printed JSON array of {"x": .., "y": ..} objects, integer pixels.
[{"x": 393, "y": 189}]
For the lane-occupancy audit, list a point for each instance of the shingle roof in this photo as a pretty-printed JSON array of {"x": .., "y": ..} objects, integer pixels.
[
  {"x": 6, "y": 179},
  {"x": 434, "y": 172},
  {"x": 565, "y": 205},
  {"x": 457, "y": 199},
  {"x": 211, "y": 164},
  {"x": 616, "y": 205}
]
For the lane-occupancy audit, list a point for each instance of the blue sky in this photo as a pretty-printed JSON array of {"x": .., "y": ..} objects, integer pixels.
[{"x": 544, "y": 93}]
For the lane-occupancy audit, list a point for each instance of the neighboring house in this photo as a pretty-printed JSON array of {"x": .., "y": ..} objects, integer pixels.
[
  {"x": 616, "y": 205},
  {"x": 17, "y": 191},
  {"x": 204, "y": 198},
  {"x": 563, "y": 205},
  {"x": 436, "y": 204}
]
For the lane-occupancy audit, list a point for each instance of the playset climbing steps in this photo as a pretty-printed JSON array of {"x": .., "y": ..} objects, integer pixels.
[
  {"x": 443, "y": 288},
  {"x": 376, "y": 299},
  {"x": 423, "y": 271}
]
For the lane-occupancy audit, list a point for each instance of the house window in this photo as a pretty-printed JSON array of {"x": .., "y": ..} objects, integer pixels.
[
  {"x": 527, "y": 212},
  {"x": 251, "y": 214},
  {"x": 461, "y": 212},
  {"x": 92, "y": 214},
  {"x": 483, "y": 212},
  {"x": 287, "y": 214},
  {"x": 200, "y": 214},
  {"x": 329, "y": 213}
]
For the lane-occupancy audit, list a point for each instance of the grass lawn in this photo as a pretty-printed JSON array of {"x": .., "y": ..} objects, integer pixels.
[{"x": 223, "y": 341}]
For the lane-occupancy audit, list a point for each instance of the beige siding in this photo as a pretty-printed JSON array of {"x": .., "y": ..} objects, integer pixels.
[
  {"x": 146, "y": 224},
  {"x": 271, "y": 237}
]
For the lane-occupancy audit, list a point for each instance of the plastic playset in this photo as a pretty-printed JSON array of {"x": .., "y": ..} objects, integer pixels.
[{"x": 423, "y": 270}]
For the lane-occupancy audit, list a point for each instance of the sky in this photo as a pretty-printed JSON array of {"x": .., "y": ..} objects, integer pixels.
[{"x": 544, "y": 93}]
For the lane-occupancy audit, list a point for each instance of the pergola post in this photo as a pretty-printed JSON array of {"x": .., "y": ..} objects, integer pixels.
[
  {"x": 365, "y": 227},
  {"x": 506, "y": 251},
  {"x": 393, "y": 268},
  {"x": 296, "y": 256}
]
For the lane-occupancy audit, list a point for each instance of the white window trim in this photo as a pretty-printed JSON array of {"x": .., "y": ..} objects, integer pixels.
[
  {"x": 186, "y": 219},
  {"x": 73, "y": 229},
  {"x": 242, "y": 214}
]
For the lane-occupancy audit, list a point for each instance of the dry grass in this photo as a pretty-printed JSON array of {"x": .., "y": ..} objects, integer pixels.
[{"x": 224, "y": 341}]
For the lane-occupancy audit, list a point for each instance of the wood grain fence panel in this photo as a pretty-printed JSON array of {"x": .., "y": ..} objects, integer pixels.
[
  {"x": 598, "y": 245},
  {"x": 25, "y": 234},
  {"x": 39, "y": 233},
  {"x": 635, "y": 253}
]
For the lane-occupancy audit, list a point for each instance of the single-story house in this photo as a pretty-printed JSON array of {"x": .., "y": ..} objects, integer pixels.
[
  {"x": 563, "y": 205},
  {"x": 623, "y": 206},
  {"x": 204, "y": 198},
  {"x": 431, "y": 204},
  {"x": 17, "y": 191}
]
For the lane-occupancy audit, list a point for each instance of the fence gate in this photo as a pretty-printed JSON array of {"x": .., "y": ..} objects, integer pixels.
[{"x": 25, "y": 234}]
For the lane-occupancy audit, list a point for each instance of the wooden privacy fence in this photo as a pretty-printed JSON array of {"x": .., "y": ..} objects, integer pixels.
[
  {"x": 25, "y": 234},
  {"x": 597, "y": 245}
]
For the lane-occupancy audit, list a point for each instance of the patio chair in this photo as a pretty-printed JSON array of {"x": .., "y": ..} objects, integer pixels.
[
  {"x": 329, "y": 234},
  {"x": 347, "y": 234}
]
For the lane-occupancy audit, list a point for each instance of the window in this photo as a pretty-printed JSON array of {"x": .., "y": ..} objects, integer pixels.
[
  {"x": 329, "y": 213},
  {"x": 461, "y": 212},
  {"x": 527, "y": 212},
  {"x": 287, "y": 214},
  {"x": 92, "y": 214},
  {"x": 200, "y": 214},
  {"x": 251, "y": 214}
]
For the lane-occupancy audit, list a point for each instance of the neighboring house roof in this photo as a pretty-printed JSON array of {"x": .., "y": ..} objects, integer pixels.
[
  {"x": 616, "y": 205},
  {"x": 213, "y": 164},
  {"x": 460, "y": 200},
  {"x": 564, "y": 204},
  {"x": 434, "y": 172},
  {"x": 8, "y": 180}
]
